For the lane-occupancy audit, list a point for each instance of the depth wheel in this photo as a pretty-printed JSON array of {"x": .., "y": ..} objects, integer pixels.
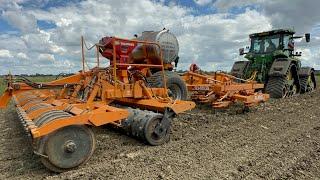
[
  {"x": 67, "y": 148},
  {"x": 149, "y": 132}
]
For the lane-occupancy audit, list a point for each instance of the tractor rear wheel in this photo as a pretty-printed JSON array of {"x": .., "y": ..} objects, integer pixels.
[
  {"x": 177, "y": 88},
  {"x": 283, "y": 86},
  {"x": 308, "y": 83}
]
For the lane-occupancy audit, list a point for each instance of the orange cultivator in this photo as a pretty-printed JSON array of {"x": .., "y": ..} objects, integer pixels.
[
  {"x": 221, "y": 89},
  {"x": 58, "y": 114}
]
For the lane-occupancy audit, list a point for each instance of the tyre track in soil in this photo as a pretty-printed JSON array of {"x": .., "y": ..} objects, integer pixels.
[{"x": 203, "y": 146}]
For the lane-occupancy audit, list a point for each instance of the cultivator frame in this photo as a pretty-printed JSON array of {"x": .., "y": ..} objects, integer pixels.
[
  {"x": 221, "y": 90},
  {"x": 61, "y": 110}
]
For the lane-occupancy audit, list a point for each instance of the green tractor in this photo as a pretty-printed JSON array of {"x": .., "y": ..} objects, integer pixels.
[{"x": 273, "y": 61}]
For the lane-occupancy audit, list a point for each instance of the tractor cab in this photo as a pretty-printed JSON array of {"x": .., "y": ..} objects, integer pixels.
[
  {"x": 277, "y": 43},
  {"x": 264, "y": 43}
]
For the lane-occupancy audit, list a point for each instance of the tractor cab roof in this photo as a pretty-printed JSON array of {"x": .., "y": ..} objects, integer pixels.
[{"x": 273, "y": 32}]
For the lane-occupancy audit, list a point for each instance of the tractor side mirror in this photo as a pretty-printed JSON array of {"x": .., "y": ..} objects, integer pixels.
[
  {"x": 241, "y": 51},
  {"x": 307, "y": 35}
]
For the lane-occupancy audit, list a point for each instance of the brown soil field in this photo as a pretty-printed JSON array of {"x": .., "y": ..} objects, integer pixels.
[{"x": 276, "y": 140}]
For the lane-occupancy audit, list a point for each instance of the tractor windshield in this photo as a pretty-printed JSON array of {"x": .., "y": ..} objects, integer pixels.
[{"x": 264, "y": 44}]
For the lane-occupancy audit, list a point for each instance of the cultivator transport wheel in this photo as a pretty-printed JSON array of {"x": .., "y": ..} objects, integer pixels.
[
  {"x": 143, "y": 124},
  {"x": 176, "y": 86},
  {"x": 283, "y": 86},
  {"x": 65, "y": 148},
  {"x": 308, "y": 83}
]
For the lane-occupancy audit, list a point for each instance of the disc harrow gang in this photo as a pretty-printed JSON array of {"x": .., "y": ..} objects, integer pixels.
[{"x": 59, "y": 115}]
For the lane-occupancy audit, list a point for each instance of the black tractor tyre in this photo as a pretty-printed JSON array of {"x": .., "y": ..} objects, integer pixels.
[
  {"x": 304, "y": 84},
  {"x": 176, "y": 86},
  {"x": 305, "y": 87},
  {"x": 277, "y": 85},
  {"x": 239, "y": 69}
]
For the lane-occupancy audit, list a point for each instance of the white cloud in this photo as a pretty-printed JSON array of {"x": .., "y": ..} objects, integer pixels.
[
  {"x": 25, "y": 22},
  {"x": 21, "y": 55},
  {"x": 210, "y": 40},
  {"x": 46, "y": 58},
  {"x": 198, "y": 36},
  {"x": 11, "y": 42},
  {"x": 297, "y": 14},
  {"x": 203, "y": 2},
  {"x": 10, "y": 4},
  {"x": 310, "y": 57},
  {"x": 223, "y": 5},
  {"x": 41, "y": 42},
  {"x": 4, "y": 53},
  {"x": 215, "y": 39}
]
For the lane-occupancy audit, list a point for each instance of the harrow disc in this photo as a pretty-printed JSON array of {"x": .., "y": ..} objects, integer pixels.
[
  {"x": 48, "y": 116},
  {"x": 38, "y": 106},
  {"x": 67, "y": 148},
  {"x": 24, "y": 100},
  {"x": 33, "y": 101},
  {"x": 23, "y": 97}
]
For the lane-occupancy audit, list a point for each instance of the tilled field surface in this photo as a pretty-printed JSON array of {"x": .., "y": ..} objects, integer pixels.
[{"x": 277, "y": 140}]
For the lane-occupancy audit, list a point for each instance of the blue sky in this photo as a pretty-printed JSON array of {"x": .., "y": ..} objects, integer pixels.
[{"x": 44, "y": 34}]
